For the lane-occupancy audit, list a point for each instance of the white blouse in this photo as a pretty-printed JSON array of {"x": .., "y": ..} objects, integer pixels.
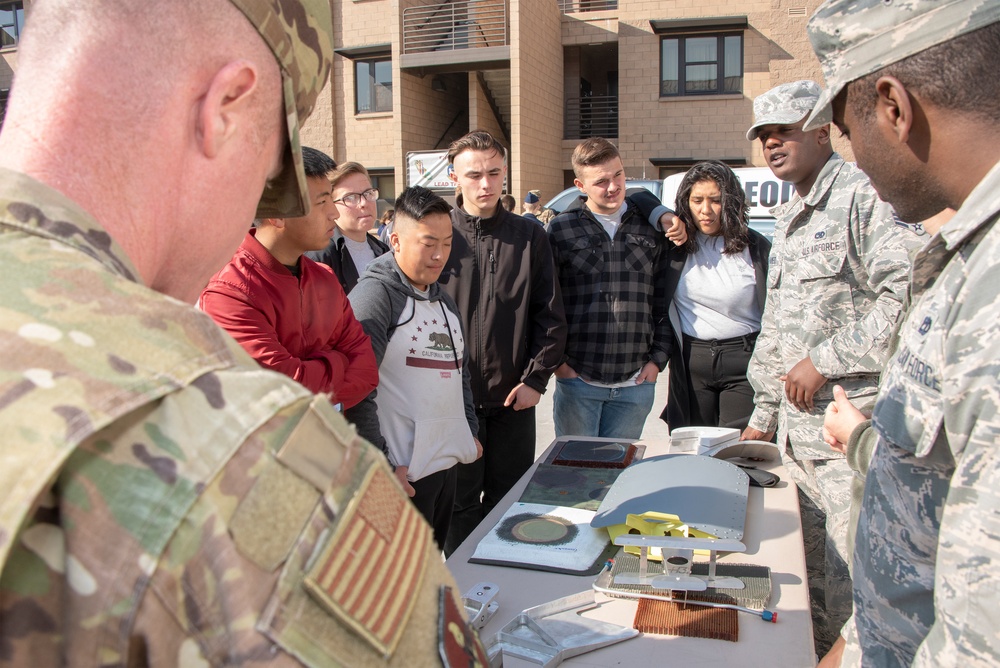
[{"x": 716, "y": 297}]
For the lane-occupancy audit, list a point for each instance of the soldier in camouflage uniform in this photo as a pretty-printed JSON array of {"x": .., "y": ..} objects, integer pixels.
[
  {"x": 914, "y": 86},
  {"x": 165, "y": 500},
  {"x": 838, "y": 274}
]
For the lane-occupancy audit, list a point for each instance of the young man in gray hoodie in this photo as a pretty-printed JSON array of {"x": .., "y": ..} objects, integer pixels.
[{"x": 422, "y": 414}]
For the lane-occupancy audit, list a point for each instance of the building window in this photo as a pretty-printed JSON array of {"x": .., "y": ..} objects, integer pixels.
[
  {"x": 704, "y": 64},
  {"x": 385, "y": 181},
  {"x": 572, "y": 6},
  {"x": 4, "y": 93},
  {"x": 11, "y": 23},
  {"x": 373, "y": 85}
]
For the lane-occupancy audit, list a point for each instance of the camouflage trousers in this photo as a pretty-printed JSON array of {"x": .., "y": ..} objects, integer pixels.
[{"x": 825, "y": 505}]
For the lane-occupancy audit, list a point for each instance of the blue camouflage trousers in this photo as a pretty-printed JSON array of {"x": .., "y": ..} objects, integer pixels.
[{"x": 825, "y": 507}]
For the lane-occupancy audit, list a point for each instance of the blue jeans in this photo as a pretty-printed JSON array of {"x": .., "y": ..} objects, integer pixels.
[{"x": 579, "y": 409}]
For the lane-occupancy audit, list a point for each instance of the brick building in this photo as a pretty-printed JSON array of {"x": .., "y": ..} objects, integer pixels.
[
  {"x": 671, "y": 81},
  {"x": 11, "y": 25}
]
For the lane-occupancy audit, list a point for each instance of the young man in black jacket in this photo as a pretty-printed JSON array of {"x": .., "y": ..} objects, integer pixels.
[
  {"x": 351, "y": 248},
  {"x": 501, "y": 275}
]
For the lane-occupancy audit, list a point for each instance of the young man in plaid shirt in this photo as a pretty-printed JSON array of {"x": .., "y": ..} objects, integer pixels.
[{"x": 611, "y": 263}]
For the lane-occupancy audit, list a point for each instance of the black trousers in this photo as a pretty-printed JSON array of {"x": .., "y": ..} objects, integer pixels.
[
  {"x": 508, "y": 439},
  {"x": 434, "y": 498},
  {"x": 720, "y": 394}
]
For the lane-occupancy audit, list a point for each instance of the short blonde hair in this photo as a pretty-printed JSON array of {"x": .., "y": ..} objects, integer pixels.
[{"x": 346, "y": 169}]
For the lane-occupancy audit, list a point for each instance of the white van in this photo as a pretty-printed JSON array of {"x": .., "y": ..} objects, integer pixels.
[{"x": 763, "y": 190}]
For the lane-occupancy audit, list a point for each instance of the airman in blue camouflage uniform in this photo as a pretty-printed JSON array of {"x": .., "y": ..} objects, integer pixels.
[
  {"x": 165, "y": 500},
  {"x": 837, "y": 279},
  {"x": 914, "y": 85}
]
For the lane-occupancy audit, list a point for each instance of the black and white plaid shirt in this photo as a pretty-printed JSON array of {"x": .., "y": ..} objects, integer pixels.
[{"x": 614, "y": 291}]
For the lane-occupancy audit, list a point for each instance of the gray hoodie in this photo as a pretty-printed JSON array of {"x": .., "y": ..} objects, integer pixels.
[{"x": 378, "y": 301}]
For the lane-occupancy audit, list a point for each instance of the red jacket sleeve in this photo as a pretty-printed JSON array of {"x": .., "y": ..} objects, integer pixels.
[
  {"x": 310, "y": 335},
  {"x": 359, "y": 374}
]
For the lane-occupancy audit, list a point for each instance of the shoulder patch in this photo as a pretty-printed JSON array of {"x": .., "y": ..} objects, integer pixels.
[
  {"x": 368, "y": 572},
  {"x": 916, "y": 228},
  {"x": 458, "y": 644}
]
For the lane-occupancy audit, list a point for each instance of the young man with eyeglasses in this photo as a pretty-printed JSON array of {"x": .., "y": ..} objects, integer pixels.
[
  {"x": 290, "y": 312},
  {"x": 351, "y": 248}
]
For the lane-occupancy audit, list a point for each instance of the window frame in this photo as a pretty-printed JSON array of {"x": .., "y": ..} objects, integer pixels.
[
  {"x": 4, "y": 99},
  {"x": 719, "y": 62},
  {"x": 384, "y": 178},
  {"x": 372, "y": 64},
  {"x": 17, "y": 9}
]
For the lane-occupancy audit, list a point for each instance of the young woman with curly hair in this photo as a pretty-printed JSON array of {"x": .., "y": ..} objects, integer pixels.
[{"x": 719, "y": 282}]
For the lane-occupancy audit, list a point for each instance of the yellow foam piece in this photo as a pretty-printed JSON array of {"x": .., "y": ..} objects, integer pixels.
[{"x": 652, "y": 523}]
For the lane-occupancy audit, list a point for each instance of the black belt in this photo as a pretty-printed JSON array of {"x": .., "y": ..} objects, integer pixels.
[{"x": 745, "y": 340}]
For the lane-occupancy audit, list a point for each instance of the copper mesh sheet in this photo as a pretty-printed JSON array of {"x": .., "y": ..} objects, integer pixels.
[{"x": 674, "y": 618}]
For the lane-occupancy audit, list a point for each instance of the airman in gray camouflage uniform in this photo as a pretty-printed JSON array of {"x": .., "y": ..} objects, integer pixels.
[
  {"x": 165, "y": 500},
  {"x": 914, "y": 86},
  {"x": 838, "y": 275}
]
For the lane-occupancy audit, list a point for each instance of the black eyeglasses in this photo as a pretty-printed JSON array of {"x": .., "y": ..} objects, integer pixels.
[{"x": 353, "y": 199}]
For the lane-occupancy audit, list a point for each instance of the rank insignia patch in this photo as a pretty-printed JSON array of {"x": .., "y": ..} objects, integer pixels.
[
  {"x": 458, "y": 644},
  {"x": 369, "y": 571}
]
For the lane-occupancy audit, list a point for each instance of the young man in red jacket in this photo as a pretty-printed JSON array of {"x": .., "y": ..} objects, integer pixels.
[{"x": 290, "y": 312}]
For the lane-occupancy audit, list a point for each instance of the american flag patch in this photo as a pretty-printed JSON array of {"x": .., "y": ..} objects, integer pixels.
[{"x": 370, "y": 569}]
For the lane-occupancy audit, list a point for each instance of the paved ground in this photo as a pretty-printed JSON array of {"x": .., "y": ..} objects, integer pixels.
[{"x": 655, "y": 427}]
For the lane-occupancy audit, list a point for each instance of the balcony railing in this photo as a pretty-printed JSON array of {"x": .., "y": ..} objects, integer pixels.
[
  {"x": 573, "y": 6},
  {"x": 594, "y": 116},
  {"x": 455, "y": 25}
]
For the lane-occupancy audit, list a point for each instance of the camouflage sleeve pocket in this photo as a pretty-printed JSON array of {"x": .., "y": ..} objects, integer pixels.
[
  {"x": 271, "y": 516},
  {"x": 967, "y": 615}
]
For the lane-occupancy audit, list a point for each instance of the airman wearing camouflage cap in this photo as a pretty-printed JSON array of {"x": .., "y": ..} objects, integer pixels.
[
  {"x": 166, "y": 501},
  {"x": 786, "y": 104},
  {"x": 914, "y": 85},
  {"x": 853, "y": 39},
  {"x": 837, "y": 278}
]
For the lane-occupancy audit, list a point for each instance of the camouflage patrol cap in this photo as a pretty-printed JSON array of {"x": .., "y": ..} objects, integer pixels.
[
  {"x": 786, "y": 104},
  {"x": 854, "y": 38},
  {"x": 300, "y": 33}
]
